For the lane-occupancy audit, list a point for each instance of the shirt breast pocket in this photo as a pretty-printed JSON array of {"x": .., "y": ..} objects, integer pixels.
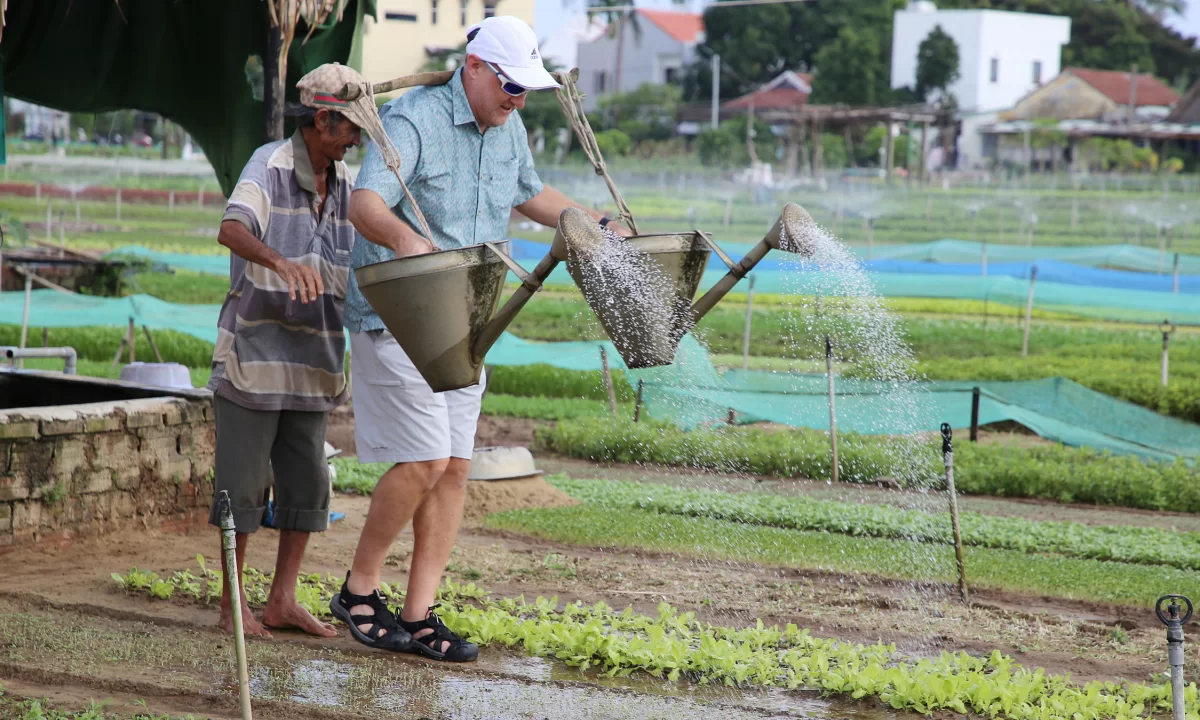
[{"x": 499, "y": 184}]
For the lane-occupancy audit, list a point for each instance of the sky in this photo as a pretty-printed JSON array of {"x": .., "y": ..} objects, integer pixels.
[{"x": 1189, "y": 24}]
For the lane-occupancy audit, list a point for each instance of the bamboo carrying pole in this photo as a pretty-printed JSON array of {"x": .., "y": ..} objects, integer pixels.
[
  {"x": 948, "y": 456},
  {"x": 229, "y": 545},
  {"x": 608, "y": 382}
]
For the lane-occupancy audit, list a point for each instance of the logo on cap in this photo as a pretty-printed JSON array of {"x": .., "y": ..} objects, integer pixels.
[{"x": 533, "y": 55}]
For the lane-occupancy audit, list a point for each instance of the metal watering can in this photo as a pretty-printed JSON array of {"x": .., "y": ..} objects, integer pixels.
[
  {"x": 647, "y": 333},
  {"x": 441, "y": 306}
]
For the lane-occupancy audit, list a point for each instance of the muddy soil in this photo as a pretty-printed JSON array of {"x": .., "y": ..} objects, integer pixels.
[
  {"x": 68, "y": 633},
  {"x": 169, "y": 653}
]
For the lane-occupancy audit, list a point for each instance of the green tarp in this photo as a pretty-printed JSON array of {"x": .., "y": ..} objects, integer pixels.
[{"x": 185, "y": 60}]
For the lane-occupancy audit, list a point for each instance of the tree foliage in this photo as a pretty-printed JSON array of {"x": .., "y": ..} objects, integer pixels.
[
  {"x": 937, "y": 63},
  {"x": 847, "y": 69}
]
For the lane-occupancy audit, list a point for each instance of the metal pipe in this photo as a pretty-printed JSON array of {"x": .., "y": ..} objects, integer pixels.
[
  {"x": 1166, "y": 329},
  {"x": 948, "y": 457},
  {"x": 229, "y": 545},
  {"x": 1175, "y": 625},
  {"x": 975, "y": 414},
  {"x": 66, "y": 353},
  {"x": 608, "y": 381},
  {"x": 637, "y": 406}
]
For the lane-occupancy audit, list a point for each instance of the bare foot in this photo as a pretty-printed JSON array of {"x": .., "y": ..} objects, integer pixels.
[
  {"x": 291, "y": 615},
  {"x": 250, "y": 624}
]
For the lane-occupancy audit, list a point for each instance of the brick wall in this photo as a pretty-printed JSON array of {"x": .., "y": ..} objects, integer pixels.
[{"x": 71, "y": 471}]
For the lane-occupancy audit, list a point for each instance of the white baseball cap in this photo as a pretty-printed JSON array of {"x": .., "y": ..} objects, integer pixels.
[{"x": 509, "y": 43}]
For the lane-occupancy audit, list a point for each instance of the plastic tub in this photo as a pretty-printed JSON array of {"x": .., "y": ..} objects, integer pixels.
[{"x": 171, "y": 375}]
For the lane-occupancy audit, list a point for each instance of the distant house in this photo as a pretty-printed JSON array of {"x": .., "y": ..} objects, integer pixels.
[
  {"x": 788, "y": 91},
  {"x": 1102, "y": 95},
  {"x": 1001, "y": 55},
  {"x": 657, "y": 53},
  {"x": 561, "y": 47}
]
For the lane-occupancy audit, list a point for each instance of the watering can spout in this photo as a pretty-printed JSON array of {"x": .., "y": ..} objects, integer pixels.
[{"x": 793, "y": 232}]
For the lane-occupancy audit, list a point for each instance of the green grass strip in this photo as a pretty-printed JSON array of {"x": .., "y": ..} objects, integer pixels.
[
  {"x": 676, "y": 646},
  {"x": 1063, "y": 577},
  {"x": 1048, "y": 471},
  {"x": 1141, "y": 545}
]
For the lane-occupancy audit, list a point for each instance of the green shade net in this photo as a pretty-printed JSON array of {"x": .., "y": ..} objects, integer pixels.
[
  {"x": 183, "y": 60},
  {"x": 692, "y": 393}
]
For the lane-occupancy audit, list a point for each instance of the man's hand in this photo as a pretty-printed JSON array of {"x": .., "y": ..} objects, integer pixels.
[
  {"x": 376, "y": 222},
  {"x": 300, "y": 279},
  {"x": 619, "y": 229}
]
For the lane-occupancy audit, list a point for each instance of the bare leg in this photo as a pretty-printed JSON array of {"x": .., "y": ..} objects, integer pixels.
[
  {"x": 250, "y": 624},
  {"x": 282, "y": 610},
  {"x": 435, "y": 526},
  {"x": 397, "y": 496}
]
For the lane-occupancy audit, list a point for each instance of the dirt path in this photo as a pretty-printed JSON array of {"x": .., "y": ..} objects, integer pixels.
[{"x": 66, "y": 625}]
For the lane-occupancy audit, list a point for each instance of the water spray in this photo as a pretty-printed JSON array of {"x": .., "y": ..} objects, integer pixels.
[
  {"x": 1175, "y": 625},
  {"x": 948, "y": 456},
  {"x": 229, "y": 545}
]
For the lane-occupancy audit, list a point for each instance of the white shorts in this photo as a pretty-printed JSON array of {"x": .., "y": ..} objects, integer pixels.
[{"x": 398, "y": 418}]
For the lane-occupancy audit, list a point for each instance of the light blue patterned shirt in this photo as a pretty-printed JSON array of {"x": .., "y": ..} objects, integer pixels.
[{"x": 466, "y": 183}]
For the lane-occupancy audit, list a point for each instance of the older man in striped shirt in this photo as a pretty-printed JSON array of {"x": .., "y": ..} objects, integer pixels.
[{"x": 277, "y": 369}]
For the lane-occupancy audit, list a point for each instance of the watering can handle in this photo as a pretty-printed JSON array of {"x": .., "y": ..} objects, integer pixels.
[
  {"x": 526, "y": 279},
  {"x": 707, "y": 238}
]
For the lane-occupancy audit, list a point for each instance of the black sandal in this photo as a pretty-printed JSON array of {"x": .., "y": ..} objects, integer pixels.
[
  {"x": 459, "y": 650},
  {"x": 395, "y": 639}
]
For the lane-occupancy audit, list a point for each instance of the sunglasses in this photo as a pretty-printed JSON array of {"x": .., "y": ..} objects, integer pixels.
[{"x": 506, "y": 83}]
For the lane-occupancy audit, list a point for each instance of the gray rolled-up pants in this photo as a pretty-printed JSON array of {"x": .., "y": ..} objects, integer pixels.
[{"x": 257, "y": 449}]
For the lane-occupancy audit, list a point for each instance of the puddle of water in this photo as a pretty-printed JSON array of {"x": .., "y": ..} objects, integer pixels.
[{"x": 406, "y": 691}]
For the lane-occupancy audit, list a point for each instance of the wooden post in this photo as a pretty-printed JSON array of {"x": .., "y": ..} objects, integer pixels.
[
  {"x": 120, "y": 351},
  {"x": 975, "y": 414},
  {"x": 25, "y": 313},
  {"x": 746, "y": 332},
  {"x": 131, "y": 334},
  {"x": 637, "y": 404},
  {"x": 1028, "y": 311},
  {"x": 948, "y": 456},
  {"x": 832, "y": 413},
  {"x": 274, "y": 72},
  {"x": 153, "y": 345},
  {"x": 608, "y": 382},
  {"x": 890, "y": 149},
  {"x": 45, "y": 337},
  {"x": 870, "y": 223}
]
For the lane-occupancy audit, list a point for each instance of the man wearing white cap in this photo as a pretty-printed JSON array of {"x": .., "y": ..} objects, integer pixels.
[{"x": 466, "y": 160}]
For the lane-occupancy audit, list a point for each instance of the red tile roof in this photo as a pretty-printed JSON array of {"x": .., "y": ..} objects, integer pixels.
[
  {"x": 684, "y": 27},
  {"x": 789, "y": 90},
  {"x": 1115, "y": 85}
]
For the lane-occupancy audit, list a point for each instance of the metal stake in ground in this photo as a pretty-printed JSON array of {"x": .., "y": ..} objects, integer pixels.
[
  {"x": 1174, "y": 625},
  {"x": 948, "y": 455},
  {"x": 746, "y": 332},
  {"x": 1167, "y": 329},
  {"x": 608, "y": 381},
  {"x": 832, "y": 414},
  {"x": 1028, "y": 311},
  {"x": 229, "y": 545}
]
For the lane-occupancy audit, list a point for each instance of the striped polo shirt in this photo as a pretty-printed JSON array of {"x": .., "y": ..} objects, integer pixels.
[{"x": 275, "y": 353}]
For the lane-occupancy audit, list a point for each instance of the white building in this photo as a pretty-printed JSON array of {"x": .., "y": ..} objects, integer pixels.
[
  {"x": 561, "y": 47},
  {"x": 1002, "y": 56},
  {"x": 659, "y": 53}
]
